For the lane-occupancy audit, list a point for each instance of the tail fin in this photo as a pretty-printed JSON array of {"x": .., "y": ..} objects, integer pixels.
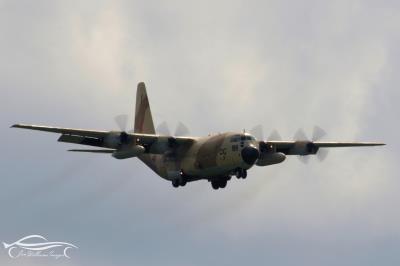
[
  {"x": 143, "y": 118},
  {"x": 144, "y": 123}
]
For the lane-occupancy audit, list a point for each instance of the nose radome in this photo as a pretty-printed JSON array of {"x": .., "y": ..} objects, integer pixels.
[{"x": 250, "y": 154}]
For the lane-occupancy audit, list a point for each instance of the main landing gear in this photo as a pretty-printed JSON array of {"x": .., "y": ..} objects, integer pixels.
[
  {"x": 179, "y": 182},
  {"x": 219, "y": 183}
]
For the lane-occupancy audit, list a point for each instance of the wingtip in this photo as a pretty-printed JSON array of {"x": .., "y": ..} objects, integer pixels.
[{"x": 378, "y": 144}]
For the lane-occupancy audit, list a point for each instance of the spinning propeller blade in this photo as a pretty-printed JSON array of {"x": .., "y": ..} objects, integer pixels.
[
  {"x": 121, "y": 121},
  {"x": 181, "y": 130},
  {"x": 257, "y": 132},
  {"x": 163, "y": 129},
  {"x": 318, "y": 133}
]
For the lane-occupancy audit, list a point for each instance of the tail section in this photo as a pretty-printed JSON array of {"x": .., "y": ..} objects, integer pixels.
[
  {"x": 144, "y": 124},
  {"x": 143, "y": 118}
]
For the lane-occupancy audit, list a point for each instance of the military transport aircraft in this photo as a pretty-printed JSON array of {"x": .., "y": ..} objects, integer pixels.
[{"x": 182, "y": 159}]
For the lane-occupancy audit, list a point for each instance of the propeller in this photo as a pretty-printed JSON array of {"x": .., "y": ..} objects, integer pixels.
[
  {"x": 181, "y": 130},
  {"x": 274, "y": 135},
  {"x": 303, "y": 159},
  {"x": 163, "y": 129},
  {"x": 318, "y": 133},
  {"x": 257, "y": 132},
  {"x": 300, "y": 135},
  {"x": 322, "y": 154},
  {"x": 121, "y": 121}
]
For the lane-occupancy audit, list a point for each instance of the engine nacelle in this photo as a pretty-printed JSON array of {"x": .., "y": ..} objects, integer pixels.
[
  {"x": 114, "y": 139},
  {"x": 161, "y": 145},
  {"x": 270, "y": 158},
  {"x": 303, "y": 148},
  {"x": 130, "y": 152}
]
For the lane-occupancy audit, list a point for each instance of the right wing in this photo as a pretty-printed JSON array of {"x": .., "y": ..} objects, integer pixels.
[
  {"x": 308, "y": 147},
  {"x": 92, "y": 151},
  {"x": 322, "y": 144}
]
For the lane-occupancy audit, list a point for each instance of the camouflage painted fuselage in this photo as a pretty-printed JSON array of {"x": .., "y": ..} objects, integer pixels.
[{"x": 206, "y": 158}]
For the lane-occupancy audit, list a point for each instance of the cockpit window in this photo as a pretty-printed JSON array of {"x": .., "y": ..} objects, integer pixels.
[{"x": 237, "y": 138}]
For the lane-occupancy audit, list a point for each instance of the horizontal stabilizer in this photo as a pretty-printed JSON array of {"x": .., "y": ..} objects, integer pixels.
[{"x": 92, "y": 151}]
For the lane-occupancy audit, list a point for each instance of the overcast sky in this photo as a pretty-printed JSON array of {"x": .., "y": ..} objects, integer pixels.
[{"x": 217, "y": 66}]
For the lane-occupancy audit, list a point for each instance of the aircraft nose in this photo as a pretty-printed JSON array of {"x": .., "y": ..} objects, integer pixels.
[{"x": 250, "y": 154}]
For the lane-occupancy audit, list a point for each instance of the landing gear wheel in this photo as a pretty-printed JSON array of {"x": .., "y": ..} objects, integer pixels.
[
  {"x": 244, "y": 174},
  {"x": 175, "y": 183},
  {"x": 222, "y": 183},
  {"x": 241, "y": 173},
  {"x": 215, "y": 185},
  {"x": 182, "y": 182}
]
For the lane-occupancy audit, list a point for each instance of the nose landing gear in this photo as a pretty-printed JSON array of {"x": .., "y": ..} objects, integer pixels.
[
  {"x": 178, "y": 182},
  {"x": 181, "y": 181},
  {"x": 241, "y": 173}
]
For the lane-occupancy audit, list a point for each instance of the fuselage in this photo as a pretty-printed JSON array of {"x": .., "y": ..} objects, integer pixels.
[{"x": 208, "y": 157}]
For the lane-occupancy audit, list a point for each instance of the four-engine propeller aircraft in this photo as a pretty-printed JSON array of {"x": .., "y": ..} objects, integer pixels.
[{"x": 182, "y": 159}]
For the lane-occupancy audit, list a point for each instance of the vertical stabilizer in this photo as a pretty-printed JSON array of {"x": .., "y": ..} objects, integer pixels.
[
  {"x": 144, "y": 124},
  {"x": 143, "y": 118}
]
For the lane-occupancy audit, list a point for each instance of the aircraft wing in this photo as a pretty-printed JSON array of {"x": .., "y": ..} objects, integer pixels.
[
  {"x": 322, "y": 144},
  {"x": 309, "y": 147},
  {"x": 112, "y": 139},
  {"x": 67, "y": 131},
  {"x": 70, "y": 135}
]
